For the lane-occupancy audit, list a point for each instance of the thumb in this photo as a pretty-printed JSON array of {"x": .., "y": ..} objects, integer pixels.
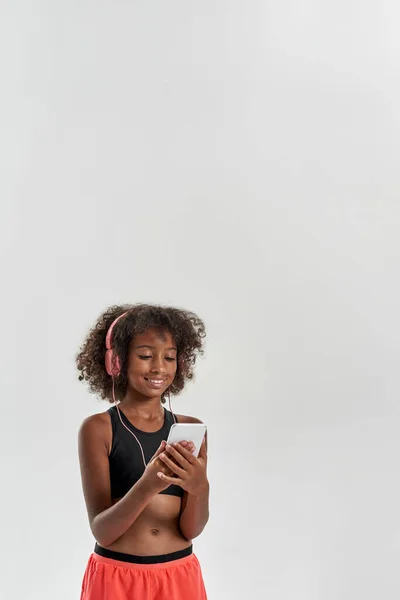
[
  {"x": 160, "y": 449},
  {"x": 203, "y": 450}
]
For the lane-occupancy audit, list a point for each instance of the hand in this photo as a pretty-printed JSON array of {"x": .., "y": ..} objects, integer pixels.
[
  {"x": 189, "y": 472},
  {"x": 155, "y": 465}
]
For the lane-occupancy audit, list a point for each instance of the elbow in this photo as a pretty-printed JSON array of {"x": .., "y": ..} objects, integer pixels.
[
  {"x": 186, "y": 531},
  {"x": 190, "y": 533},
  {"x": 102, "y": 540},
  {"x": 101, "y": 536}
]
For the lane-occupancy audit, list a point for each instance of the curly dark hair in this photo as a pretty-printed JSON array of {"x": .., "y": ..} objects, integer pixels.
[{"x": 186, "y": 328}]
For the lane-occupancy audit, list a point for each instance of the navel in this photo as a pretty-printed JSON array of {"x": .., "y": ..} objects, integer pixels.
[{"x": 155, "y": 531}]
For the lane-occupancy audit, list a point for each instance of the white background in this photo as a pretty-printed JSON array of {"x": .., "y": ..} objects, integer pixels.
[{"x": 240, "y": 159}]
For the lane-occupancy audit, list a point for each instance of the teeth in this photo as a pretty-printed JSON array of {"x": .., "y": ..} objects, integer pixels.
[{"x": 156, "y": 380}]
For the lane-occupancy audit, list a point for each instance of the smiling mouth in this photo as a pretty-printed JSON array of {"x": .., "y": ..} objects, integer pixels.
[{"x": 155, "y": 381}]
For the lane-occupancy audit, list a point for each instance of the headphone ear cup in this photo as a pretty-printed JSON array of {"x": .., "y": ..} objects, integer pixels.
[
  {"x": 113, "y": 364},
  {"x": 116, "y": 366}
]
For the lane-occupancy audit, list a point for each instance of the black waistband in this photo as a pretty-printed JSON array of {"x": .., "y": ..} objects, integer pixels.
[{"x": 142, "y": 560}]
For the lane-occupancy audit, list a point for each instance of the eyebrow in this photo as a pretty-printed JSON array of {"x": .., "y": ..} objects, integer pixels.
[{"x": 153, "y": 347}]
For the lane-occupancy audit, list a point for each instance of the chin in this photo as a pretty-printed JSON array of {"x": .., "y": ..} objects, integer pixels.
[{"x": 152, "y": 393}]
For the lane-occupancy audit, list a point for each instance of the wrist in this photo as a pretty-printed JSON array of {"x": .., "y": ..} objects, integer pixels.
[
  {"x": 202, "y": 490},
  {"x": 147, "y": 488}
]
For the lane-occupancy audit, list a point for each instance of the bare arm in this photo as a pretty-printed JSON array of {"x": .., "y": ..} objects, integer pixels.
[
  {"x": 108, "y": 522},
  {"x": 195, "y": 514}
]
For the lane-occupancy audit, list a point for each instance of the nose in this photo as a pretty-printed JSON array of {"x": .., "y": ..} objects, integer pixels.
[{"x": 157, "y": 366}]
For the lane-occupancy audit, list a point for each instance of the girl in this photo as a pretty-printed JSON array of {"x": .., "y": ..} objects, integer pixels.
[{"x": 146, "y": 501}]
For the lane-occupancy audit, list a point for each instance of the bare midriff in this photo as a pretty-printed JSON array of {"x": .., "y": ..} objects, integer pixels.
[{"x": 155, "y": 531}]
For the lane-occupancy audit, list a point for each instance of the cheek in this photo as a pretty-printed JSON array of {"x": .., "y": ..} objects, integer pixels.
[
  {"x": 136, "y": 368},
  {"x": 135, "y": 377}
]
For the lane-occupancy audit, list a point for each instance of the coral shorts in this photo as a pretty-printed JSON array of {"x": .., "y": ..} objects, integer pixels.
[{"x": 113, "y": 575}]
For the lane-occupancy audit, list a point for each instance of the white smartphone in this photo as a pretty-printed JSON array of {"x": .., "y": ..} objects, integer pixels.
[{"x": 191, "y": 432}]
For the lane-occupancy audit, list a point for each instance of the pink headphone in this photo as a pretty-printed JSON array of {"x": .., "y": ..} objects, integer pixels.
[{"x": 113, "y": 364}]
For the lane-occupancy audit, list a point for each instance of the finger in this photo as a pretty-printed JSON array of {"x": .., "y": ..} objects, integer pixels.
[
  {"x": 171, "y": 480},
  {"x": 186, "y": 452},
  {"x": 188, "y": 445},
  {"x": 173, "y": 466},
  {"x": 182, "y": 455},
  {"x": 160, "y": 466},
  {"x": 160, "y": 449}
]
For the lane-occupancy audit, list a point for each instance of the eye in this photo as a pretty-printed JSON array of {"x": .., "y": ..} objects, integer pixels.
[{"x": 169, "y": 358}]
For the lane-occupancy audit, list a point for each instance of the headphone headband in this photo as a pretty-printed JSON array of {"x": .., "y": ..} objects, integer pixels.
[
  {"x": 110, "y": 330},
  {"x": 112, "y": 362}
]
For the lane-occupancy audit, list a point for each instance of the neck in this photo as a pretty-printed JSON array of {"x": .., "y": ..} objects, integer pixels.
[{"x": 141, "y": 406}]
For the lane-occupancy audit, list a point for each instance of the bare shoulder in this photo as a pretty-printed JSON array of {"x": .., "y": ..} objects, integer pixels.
[
  {"x": 99, "y": 419},
  {"x": 186, "y": 419},
  {"x": 96, "y": 427}
]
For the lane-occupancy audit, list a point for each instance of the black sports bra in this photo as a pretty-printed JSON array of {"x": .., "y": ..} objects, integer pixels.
[{"x": 125, "y": 459}]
